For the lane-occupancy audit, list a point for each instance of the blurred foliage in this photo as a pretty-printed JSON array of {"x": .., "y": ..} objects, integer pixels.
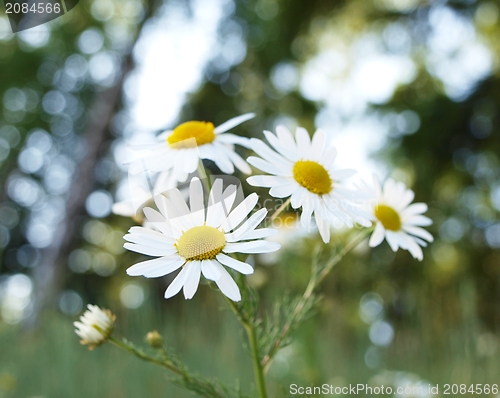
[{"x": 444, "y": 312}]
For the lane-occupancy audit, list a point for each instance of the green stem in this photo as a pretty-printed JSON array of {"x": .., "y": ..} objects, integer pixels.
[
  {"x": 139, "y": 354},
  {"x": 249, "y": 326},
  {"x": 314, "y": 282},
  {"x": 205, "y": 178},
  {"x": 189, "y": 381},
  {"x": 347, "y": 249},
  {"x": 257, "y": 367}
]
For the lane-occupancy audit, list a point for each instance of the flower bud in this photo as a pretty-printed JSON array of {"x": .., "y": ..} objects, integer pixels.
[
  {"x": 95, "y": 326},
  {"x": 154, "y": 339}
]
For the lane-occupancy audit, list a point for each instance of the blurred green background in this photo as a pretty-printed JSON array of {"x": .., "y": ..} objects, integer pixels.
[{"x": 406, "y": 88}]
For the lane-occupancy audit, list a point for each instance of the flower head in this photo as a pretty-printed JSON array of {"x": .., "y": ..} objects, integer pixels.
[
  {"x": 154, "y": 339},
  {"x": 398, "y": 221},
  {"x": 181, "y": 149},
  {"x": 198, "y": 239},
  {"x": 95, "y": 326},
  {"x": 303, "y": 169}
]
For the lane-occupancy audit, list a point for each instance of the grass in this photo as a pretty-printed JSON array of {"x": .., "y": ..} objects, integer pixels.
[{"x": 439, "y": 338}]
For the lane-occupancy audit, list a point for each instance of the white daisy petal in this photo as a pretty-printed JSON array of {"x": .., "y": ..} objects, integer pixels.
[
  {"x": 392, "y": 239},
  {"x": 265, "y": 181},
  {"x": 167, "y": 209},
  {"x": 377, "y": 235},
  {"x": 153, "y": 216},
  {"x": 421, "y": 242},
  {"x": 266, "y": 247},
  {"x": 149, "y": 250},
  {"x": 234, "y": 139},
  {"x": 177, "y": 284},
  {"x": 329, "y": 157},
  {"x": 231, "y": 123},
  {"x": 298, "y": 197},
  {"x": 305, "y": 217},
  {"x": 215, "y": 210},
  {"x": 286, "y": 138},
  {"x": 240, "y": 212},
  {"x": 389, "y": 187},
  {"x": 414, "y": 209},
  {"x": 238, "y": 161},
  {"x": 267, "y": 153},
  {"x": 406, "y": 198},
  {"x": 156, "y": 267},
  {"x": 178, "y": 202},
  {"x": 229, "y": 196},
  {"x": 222, "y": 160},
  {"x": 215, "y": 214},
  {"x": 376, "y": 186},
  {"x": 287, "y": 151},
  {"x": 158, "y": 242},
  {"x": 155, "y": 235},
  {"x": 323, "y": 227},
  {"x": 277, "y": 169},
  {"x": 420, "y": 232},
  {"x": 412, "y": 246},
  {"x": 226, "y": 283},
  {"x": 247, "y": 226},
  {"x": 215, "y": 195},
  {"x": 192, "y": 279},
  {"x": 303, "y": 140},
  {"x": 210, "y": 270},
  {"x": 239, "y": 266},
  {"x": 163, "y": 183},
  {"x": 318, "y": 144},
  {"x": 244, "y": 247},
  {"x": 283, "y": 191},
  {"x": 196, "y": 199},
  {"x": 270, "y": 247},
  {"x": 421, "y": 221},
  {"x": 190, "y": 159},
  {"x": 339, "y": 175}
]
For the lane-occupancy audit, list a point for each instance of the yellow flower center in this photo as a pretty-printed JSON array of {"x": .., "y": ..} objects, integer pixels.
[
  {"x": 201, "y": 243},
  {"x": 388, "y": 217},
  {"x": 312, "y": 176},
  {"x": 202, "y": 132}
]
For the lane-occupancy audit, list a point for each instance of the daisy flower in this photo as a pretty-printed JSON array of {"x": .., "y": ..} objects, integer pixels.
[
  {"x": 198, "y": 239},
  {"x": 140, "y": 197},
  {"x": 303, "y": 169},
  {"x": 398, "y": 221},
  {"x": 95, "y": 326},
  {"x": 181, "y": 149}
]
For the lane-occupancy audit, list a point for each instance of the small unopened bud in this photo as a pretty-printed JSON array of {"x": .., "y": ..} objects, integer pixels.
[
  {"x": 154, "y": 339},
  {"x": 95, "y": 326}
]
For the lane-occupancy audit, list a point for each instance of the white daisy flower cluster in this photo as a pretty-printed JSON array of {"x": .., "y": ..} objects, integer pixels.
[
  {"x": 303, "y": 169},
  {"x": 203, "y": 237},
  {"x": 95, "y": 326}
]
